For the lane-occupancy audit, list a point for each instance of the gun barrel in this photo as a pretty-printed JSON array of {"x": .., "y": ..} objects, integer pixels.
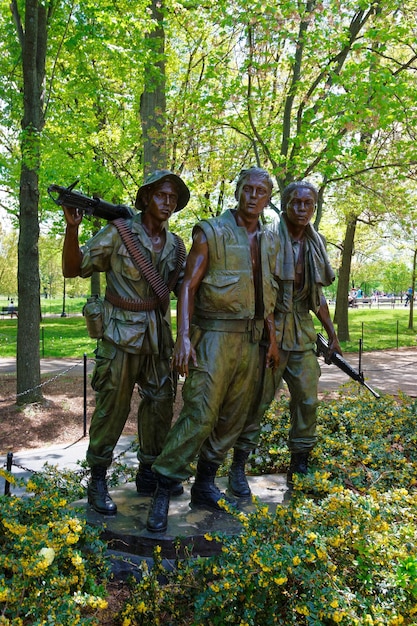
[
  {"x": 373, "y": 392},
  {"x": 341, "y": 363},
  {"x": 91, "y": 206}
]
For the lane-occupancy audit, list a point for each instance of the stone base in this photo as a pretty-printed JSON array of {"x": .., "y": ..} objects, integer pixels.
[{"x": 126, "y": 531}]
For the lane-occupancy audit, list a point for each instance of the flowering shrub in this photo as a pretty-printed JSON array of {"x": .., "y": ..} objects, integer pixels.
[
  {"x": 362, "y": 441},
  {"x": 52, "y": 565},
  {"x": 342, "y": 551}
]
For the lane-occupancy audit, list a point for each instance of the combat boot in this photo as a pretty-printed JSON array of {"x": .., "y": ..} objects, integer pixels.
[
  {"x": 204, "y": 492},
  {"x": 238, "y": 483},
  {"x": 298, "y": 465},
  {"x": 97, "y": 492},
  {"x": 157, "y": 521},
  {"x": 146, "y": 482}
]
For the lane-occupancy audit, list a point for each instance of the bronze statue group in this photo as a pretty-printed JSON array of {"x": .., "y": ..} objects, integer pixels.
[{"x": 246, "y": 292}]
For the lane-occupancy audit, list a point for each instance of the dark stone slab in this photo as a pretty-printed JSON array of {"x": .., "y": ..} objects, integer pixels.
[{"x": 126, "y": 531}]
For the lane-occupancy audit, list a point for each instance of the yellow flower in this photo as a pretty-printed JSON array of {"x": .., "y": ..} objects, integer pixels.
[
  {"x": 48, "y": 555},
  {"x": 296, "y": 560},
  {"x": 303, "y": 610},
  {"x": 338, "y": 616},
  {"x": 4, "y": 594},
  {"x": 30, "y": 486},
  {"x": 141, "y": 607},
  {"x": 76, "y": 560},
  {"x": 75, "y": 525},
  {"x": 334, "y": 604},
  {"x": 208, "y": 537},
  {"x": 280, "y": 581},
  {"x": 321, "y": 553}
]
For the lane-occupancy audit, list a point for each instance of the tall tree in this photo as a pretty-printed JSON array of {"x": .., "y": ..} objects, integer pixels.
[
  {"x": 153, "y": 97},
  {"x": 32, "y": 31}
]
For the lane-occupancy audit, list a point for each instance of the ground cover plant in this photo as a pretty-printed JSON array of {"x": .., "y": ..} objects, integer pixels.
[
  {"x": 341, "y": 550},
  {"x": 53, "y": 568}
]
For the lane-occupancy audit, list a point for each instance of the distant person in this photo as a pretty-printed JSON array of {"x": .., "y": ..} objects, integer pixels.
[
  {"x": 408, "y": 296},
  {"x": 136, "y": 342},
  {"x": 302, "y": 270},
  {"x": 226, "y": 302},
  {"x": 12, "y": 309}
]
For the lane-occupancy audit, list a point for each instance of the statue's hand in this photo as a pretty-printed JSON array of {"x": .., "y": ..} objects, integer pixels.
[
  {"x": 183, "y": 352},
  {"x": 272, "y": 356},
  {"x": 334, "y": 348},
  {"x": 73, "y": 216}
]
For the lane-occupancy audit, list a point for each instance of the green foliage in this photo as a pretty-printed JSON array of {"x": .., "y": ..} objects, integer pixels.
[
  {"x": 340, "y": 551},
  {"x": 52, "y": 564},
  {"x": 363, "y": 442}
]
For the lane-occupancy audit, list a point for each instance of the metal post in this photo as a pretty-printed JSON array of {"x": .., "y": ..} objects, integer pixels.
[
  {"x": 85, "y": 395},
  {"x": 398, "y": 331},
  {"x": 63, "y": 314},
  {"x": 9, "y": 469},
  {"x": 360, "y": 357}
]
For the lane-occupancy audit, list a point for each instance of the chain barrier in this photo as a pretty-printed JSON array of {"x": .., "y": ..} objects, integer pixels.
[
  {"x": 9, "y": 464},
  {"x": 45, "y": 382}
]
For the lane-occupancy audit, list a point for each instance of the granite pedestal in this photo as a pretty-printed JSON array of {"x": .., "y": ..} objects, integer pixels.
[{"x": 126, "y": 531}]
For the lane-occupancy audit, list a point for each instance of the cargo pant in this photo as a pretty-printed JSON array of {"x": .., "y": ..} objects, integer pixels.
[
  {"x": 115, "y": 375},
  {"x": 301, "y": 372},
  {"x": 217, "y": 395}
]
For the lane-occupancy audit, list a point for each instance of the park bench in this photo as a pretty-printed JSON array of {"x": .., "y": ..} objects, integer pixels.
[
  {"x": 378, "y": 301},
  {"x": 5, "y": 310}
]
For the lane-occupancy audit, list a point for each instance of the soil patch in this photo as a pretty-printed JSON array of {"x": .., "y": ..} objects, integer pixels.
[{"x": 58, "y": 420}]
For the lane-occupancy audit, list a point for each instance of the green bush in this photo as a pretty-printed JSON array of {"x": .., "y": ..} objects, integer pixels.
[
  {"x": 341, "y": 551},
  {"x": 52, "y": 564}
]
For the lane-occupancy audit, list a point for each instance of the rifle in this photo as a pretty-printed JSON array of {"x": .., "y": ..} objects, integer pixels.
[
  {"x": 90, "y": 206},
  {"x": 323, "y": 349}
]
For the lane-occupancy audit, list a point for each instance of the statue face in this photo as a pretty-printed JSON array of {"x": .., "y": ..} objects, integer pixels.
[
  {"x": 300, "y": 207},
  {"x": 254, "y": 196},
  {"x": 162, "y": 201}
]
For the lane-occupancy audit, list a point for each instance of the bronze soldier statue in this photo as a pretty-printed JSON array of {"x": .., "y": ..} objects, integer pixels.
[{"x": 136, "y": 342}]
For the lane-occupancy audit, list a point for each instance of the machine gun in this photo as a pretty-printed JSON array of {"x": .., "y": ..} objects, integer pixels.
[
  {"x": 89, "y": 206},
  {"x": 323, "y": 349}
]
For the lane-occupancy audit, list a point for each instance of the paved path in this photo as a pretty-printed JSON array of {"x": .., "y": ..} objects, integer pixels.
[{"x": 386, "y": 371}]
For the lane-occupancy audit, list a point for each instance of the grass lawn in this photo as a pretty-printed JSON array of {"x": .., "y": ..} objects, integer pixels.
[
  {"x": 62, "y": 337},
  {"x": 379, "y": 329},
  {"x": 59, "y": 337}
]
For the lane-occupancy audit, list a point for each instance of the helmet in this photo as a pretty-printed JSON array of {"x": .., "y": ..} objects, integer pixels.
[{"x": 159, "y": 176}]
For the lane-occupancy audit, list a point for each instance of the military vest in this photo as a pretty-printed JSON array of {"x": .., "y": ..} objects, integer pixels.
[{"x": 227, "y": 291}]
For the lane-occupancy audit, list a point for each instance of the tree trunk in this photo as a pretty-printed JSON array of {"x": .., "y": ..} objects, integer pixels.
[
  {"x": 341, "y": 317},
  {"x": 153, "y": 99},
  {"x": 33, "y": 43},
  {"x": 413, "y": 287}
]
